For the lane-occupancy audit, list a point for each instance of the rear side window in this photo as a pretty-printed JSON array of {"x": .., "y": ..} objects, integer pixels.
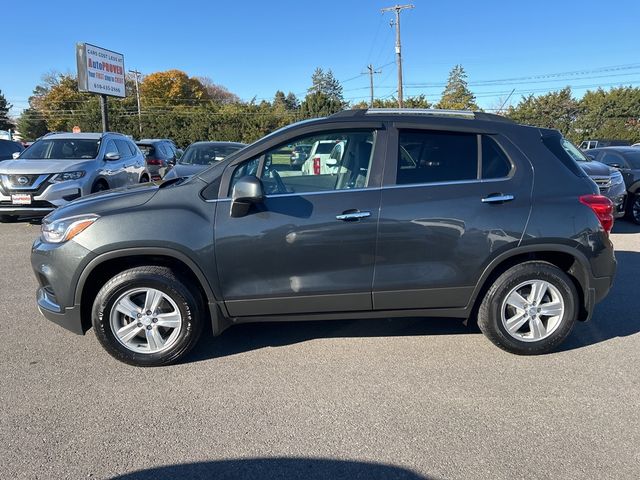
[
  {"x": 429, "y": 156},
  {"x": 495, "y": 163},
  {"x": 147, "y": 150}
]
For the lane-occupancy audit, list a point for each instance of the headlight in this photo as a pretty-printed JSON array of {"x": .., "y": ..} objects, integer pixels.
[
  {"x": 59, "y": 231},
  {"x": 63, "y": 177},
  {"x": 616, "y": 178}
]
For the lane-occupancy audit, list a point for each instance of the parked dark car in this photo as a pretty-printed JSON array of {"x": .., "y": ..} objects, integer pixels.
[
  {"x": 8, "y": 148},
  {"x": 609, "y": 180},
  {"x": 299, "y": 155},
  {"x": 627, "y": 161},
  {"x": 429, "y": 213},
  {"x": 201, "y": 155},
  {"x": 159, "y": 153}
]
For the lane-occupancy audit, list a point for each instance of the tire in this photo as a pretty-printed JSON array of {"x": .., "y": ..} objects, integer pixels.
[
  {"x": 633, "y": 208},
  {"x": 135, "y": 286},
  {"x": 497, "y": 311},
  {"x": 8, "y": 218},
  {"x": 144, "y": 179},
  {"x": 99, "y": 186}
]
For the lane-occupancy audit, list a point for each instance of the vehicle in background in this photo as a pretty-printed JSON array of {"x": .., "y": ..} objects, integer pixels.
[
  {"x": 589, "y": 144},
  {"x": 299, "y": 155},
  {"x": 8, "y": 148},
  {"x": 627, "y": 161},
  {"x": 636, "y": 145},
  {"x": 485, "y": 218},
  {"x": 201, "y": 155},
  {"x": 59, "y": 168},
  {"x": 316, "y": 162},
  {"x": 609, "y": 180},
  {"x": 159, "y": 154}
]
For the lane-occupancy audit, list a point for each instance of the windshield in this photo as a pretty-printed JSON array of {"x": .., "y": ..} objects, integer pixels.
[
  {"x": 207, "y": 153},
  {"x": 573, "y": 151},
  {"x": 62, "y": 149}
]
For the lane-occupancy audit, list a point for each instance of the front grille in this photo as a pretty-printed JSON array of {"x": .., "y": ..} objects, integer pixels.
[
  {"x": 603, "y": 182},
  {"x": 19, "y": 183},
  {"x": 21, "y": 180}
]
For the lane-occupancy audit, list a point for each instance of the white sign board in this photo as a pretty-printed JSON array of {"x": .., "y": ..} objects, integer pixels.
[{"x": 100, "y": 70}]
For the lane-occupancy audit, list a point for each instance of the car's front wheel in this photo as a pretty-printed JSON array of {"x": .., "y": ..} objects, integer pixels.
[
  {"x": 147, "y": 316},
  {"x": 634, "y": 208},
  {"x": 530, "y": 309}
]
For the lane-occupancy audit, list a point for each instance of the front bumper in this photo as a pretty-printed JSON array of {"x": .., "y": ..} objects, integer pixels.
[
  {"x": 43, "y": 200},
  {"x": 57, "y": 268}
]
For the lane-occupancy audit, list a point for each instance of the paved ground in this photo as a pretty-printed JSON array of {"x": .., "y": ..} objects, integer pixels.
[{"x": 408, "y": 399}]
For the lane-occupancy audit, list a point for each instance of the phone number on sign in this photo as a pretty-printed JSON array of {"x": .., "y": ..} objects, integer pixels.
[{"x": 106, "y": 88}]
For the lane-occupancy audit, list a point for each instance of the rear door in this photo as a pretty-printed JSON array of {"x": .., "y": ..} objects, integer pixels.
[
  {"x": 450, "y": 201},
  {"x": 310, "y": 246}
]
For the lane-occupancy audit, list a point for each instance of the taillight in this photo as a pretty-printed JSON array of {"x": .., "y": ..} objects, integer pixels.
[
  {"x": 154, "y": 161},
  {"x": 316, "y": 166},
  {"x": 602, "y": 207}
]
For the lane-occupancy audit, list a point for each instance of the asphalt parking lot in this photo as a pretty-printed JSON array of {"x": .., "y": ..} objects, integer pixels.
[{"x": 409, "y": 399}]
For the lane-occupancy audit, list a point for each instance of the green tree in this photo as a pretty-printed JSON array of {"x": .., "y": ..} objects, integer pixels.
[
  {"x": 319, "y": 104},
  {"x": 557, "y": 110},
  {"x": 31, "y": 124},
  {"x": 325, "y": 83},
  {"x": 456, "y": 94},
  {"x": 292, "y": 102},
  {"x": 5, "y": 121},
  {"x": 613, "y": 114}
]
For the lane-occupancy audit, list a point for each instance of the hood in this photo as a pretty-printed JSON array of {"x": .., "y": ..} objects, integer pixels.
[
  {"x": 108, "y": 201},
  {"x": 181, "y": 170},
  {"x": 39, "y": 167},
  {"x": 596, "y": 169}
]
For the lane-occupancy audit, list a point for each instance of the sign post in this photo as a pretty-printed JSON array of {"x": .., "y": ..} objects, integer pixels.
[{"x": 100, "y": 71}]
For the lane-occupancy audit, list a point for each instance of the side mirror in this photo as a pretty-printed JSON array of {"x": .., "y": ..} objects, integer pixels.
[
  {"x": 615, "y": 165},
  {"x": 15, "y": 155},
  {"x": 246, "y": 192},
  {"x": 112, "y": 156}
]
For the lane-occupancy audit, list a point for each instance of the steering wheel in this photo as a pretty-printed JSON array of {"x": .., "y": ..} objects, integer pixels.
[{"x": 281, "y": 187}]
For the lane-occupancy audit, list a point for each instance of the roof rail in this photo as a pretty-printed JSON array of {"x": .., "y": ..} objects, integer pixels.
[{"x": 421, "y": 111}]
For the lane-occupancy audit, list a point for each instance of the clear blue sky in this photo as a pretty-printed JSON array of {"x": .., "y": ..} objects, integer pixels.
[{"x": 256, "y": 47}]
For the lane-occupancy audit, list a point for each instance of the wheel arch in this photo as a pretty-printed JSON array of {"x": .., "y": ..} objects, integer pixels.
[
  {"x": 566, "y": 258},
  {"x": 109, "y": 264}
]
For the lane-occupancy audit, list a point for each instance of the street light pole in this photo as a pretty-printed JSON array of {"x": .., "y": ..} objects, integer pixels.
[{"x": 136, "y": 73}]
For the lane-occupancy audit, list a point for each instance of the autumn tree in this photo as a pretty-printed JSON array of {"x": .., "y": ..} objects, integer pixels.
[
  {"x": 456, "y": 94},
  {"x": 216, "y": 92},
  {"x": 172, "y": 87}
]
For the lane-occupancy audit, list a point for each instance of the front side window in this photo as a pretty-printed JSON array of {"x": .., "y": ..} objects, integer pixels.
[
  {"x": 337, "y": 161},
  {"x": 62, "y": 149},
  {"x": 123, "y": 149}
]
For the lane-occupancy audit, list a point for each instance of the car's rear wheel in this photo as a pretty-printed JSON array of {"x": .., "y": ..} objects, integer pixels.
[
  {"x": 634, "y": 208},
  {"x": 530, "y": 309},
  {"x": 8, "y": 218},
  {"x": 99, "y": 186},
  {"x": 144, "y": 179},
  {"x": 147, "y": 316}
]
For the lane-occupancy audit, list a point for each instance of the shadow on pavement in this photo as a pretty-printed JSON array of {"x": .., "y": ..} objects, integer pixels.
[
  {"x": 625, "y": 226},
  {"x": 618, "y": 314},
  {"x": 269, "y": 468}
]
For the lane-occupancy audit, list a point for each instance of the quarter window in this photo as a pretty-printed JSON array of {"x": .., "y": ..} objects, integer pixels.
[
  {"x": 337, "y": 161},
  {"x": 495, "y": 163}
]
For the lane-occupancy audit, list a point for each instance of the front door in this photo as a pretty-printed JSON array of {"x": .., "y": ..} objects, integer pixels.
[
  {"x": 310, "y": 246},
  {"x": 451, "y": 201}
]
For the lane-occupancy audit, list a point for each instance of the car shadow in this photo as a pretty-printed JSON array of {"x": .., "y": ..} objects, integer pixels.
[
  {"x": 252, "y": 336},
  {"x": 616, "y": 316},
  {"x": 625, "y": 226},
  {"x": 269, "y": 468}
]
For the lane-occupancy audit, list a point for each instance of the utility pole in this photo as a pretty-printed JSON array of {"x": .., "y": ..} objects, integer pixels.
[
  {"x": 398, "y": 9},
  {"x": 371, "y": 71},
  {"x": 136, "y": 73},
  {"x": 105, "y": 113}
]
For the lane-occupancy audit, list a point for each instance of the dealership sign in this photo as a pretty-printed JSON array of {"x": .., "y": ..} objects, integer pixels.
[{"x": 100, "y": 70}]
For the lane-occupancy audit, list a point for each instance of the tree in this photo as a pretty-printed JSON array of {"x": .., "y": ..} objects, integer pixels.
[
  {"x": 557, "y": 110},
  {"x": 279, "y": 100},
  {"x": 5, "y": 121},
  {"x": 292, "y": 102},
  {"x": 611, "y": 114},
  {"x": 319, "y": 104},
  {"x": 456, "y": 95},
  {"x": 172, "y": 87},
  {"x": 216, "y": 92},
  {"x": 31, "y": 124},
  {"x": 417, "y": 101},
  {"x": 325, "y": 83}
]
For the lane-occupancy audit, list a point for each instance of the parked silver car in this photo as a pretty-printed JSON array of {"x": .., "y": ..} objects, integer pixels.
[{"x": 61, "y": 167}]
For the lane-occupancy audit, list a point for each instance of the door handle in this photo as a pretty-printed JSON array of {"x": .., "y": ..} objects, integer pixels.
[
  {"x": 350, "y": 215},
  {"x": 497, "y": 198}
]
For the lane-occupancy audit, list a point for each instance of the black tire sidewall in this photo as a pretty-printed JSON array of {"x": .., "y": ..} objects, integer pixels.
[
  {"x": 187, "y": 305},
  {"x": 509, "y": 280},
  {"x": 634, "y": 199}
]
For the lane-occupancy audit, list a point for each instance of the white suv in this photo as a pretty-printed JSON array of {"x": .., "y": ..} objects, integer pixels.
[{"x": 61, "y": 167}]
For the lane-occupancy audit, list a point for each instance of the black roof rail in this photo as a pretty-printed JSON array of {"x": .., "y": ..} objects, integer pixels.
[{"x": 355, "y": 112}]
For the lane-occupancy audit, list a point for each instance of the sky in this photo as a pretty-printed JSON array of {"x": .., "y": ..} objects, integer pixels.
[{"x": 257, "y": 47}]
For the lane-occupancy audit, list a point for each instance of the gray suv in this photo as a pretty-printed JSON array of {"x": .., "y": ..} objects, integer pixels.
[
  {"x": 427, "y": 214},
  {"x": 62, "y": 167}
]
